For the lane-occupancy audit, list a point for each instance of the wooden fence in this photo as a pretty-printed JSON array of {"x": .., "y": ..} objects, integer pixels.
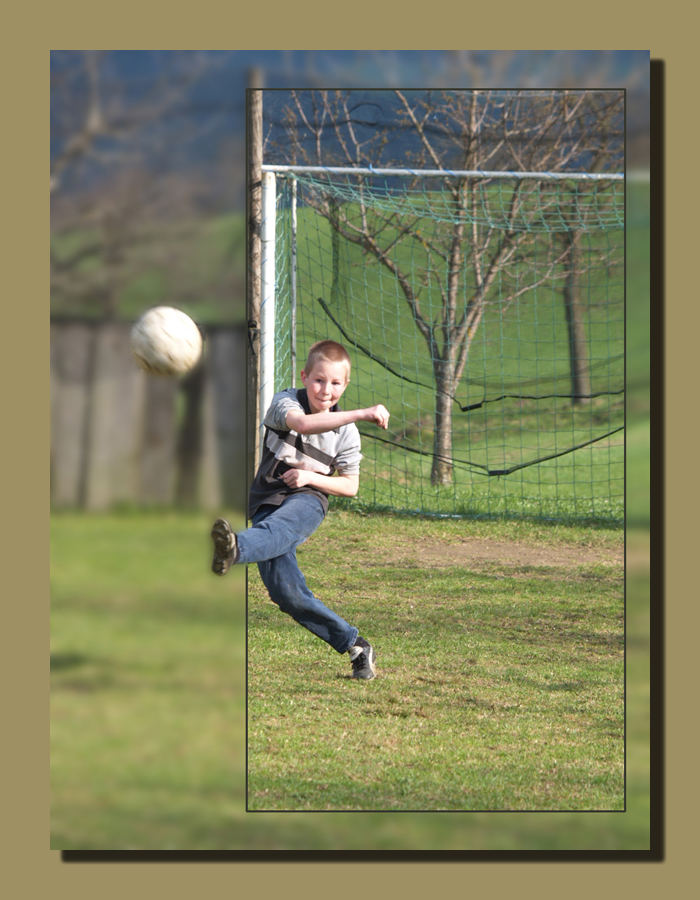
[{"x": 119, "y": 436}]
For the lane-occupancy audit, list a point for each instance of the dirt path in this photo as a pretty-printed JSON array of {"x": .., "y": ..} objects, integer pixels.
[{"x": 477, "y": 553}]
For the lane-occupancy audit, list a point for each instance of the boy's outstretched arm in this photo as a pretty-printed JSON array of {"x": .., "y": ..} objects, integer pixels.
[{"x": 317, "y": 423}]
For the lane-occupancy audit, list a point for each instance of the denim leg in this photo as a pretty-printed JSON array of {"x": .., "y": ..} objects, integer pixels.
[
  {"x": 271, "y": 541},
  {"x": 287, "y": 587},
  {"x": 277, "y": 530}
]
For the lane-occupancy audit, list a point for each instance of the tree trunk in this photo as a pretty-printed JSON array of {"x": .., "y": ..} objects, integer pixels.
[
  {"x": 189, "y": 443},
  {"x": 441, "y": 472},
  {"x": 580, "y": 376}
]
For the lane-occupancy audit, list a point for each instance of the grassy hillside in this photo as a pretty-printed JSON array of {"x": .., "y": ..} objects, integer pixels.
[{"x": 518, "y": 354}]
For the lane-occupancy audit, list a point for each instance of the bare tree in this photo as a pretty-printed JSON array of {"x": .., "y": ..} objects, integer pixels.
[
  {"x": 127, "y": 200},
  {"x": 490, "y": 230}
]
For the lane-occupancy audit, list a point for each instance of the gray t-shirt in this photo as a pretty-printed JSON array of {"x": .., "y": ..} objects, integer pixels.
[{"x": 325, "y": 453}]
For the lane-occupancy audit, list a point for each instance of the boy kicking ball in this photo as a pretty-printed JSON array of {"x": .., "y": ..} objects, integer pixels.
[{"x": 311, "y": 450}]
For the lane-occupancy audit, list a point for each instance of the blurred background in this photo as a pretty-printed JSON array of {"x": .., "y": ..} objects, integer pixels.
[
  {"x": 148, "y": 207},
  {"x": 147, "y": 657}
]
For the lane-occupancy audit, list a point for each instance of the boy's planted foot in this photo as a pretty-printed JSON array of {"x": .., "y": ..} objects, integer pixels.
[
  {"x": 225, "y": 547},
  {"x": 362, "y": 657}
]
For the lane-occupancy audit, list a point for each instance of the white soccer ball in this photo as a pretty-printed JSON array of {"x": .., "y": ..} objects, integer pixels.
[{"x": 165, "y": 341}]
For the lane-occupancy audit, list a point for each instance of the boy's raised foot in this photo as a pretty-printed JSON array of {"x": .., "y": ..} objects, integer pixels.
[
  {"x": 225, "y": 547},
  {"x": 362, "y": 657}
]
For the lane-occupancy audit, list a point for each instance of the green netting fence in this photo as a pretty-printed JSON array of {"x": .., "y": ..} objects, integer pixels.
[{"x": 487, "y": 314}]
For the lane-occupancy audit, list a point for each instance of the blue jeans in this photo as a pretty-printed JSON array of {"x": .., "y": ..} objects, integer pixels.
[{"x": 271, "y": 542}]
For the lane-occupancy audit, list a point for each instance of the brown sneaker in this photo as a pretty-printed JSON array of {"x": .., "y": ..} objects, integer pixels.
[{"x": 225, "y": 547}]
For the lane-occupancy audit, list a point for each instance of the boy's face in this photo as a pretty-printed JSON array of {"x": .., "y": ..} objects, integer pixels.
[{"x": 325, "y": 384}]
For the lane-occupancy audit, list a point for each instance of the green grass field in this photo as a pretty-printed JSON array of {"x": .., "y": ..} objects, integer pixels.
[
  {"x": 501, "y": 681},
  {"x": 148, "y": 684},
  {"x": 500, "y": 686}
]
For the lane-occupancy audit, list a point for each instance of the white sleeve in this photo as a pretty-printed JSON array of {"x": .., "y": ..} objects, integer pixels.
[
  {"x": 276, "y": 416},
  {"x": 347, "y": 460}
]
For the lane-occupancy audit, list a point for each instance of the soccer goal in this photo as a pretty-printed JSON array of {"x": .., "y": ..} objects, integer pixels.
[{"x": 484, "y": 309}]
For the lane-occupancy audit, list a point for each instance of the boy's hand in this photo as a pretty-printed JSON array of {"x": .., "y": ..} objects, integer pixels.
[
  {"x": 339, "y": 485},
  {"x": 379, "y": 415},
  {"x": 296, "y": 478}
]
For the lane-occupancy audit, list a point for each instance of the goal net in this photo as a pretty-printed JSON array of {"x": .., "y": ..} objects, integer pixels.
[{"x": 486, "y": 312}]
